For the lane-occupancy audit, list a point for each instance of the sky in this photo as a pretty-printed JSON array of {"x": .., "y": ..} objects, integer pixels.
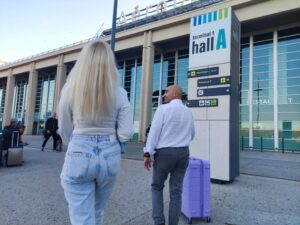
[{"x": 29, "y": 27}]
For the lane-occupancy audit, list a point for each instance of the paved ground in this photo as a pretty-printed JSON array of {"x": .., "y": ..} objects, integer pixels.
[{"x": 266, "y": 192}]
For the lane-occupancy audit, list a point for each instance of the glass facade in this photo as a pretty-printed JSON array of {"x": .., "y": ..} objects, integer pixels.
[
  {"x": 69, "y": 67},
  {"x": 269, "y": 81},
  {"x": 282, "y": 49},
  {"x": 20, "y": 98},
  {"x": 44, "y": 103},
  {"x": 156, "y": 88},
  {"x": 2, "y": 98},
  {"x": 263, "y": 92},
  {"x": 289, "y": 88},
  {"x": 244, "y": 97},
  {"x": 169, "y": 68},
  {"x": 130, "y": 72},
  {"x": 182, "y": 71}
]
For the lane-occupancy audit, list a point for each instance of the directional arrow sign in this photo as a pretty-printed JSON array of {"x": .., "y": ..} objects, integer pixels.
[
  {"x": 203, "y": 72},
  {"x": 213, "y": 91},
  {"x": 213, "y": 81}
]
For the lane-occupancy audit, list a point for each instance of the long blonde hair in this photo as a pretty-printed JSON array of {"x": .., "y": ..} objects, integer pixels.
[{"x": 93, "y": 81}]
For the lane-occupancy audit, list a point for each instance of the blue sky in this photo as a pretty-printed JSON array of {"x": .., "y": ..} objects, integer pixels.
[{"x": 28, "y": 27}]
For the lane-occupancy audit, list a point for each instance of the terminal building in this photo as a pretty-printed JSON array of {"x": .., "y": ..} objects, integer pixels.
[{"x": 152, "y": 52}]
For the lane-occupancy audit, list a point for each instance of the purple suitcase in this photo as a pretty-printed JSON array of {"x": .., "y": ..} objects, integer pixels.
[{"x": 196, "y": 190}]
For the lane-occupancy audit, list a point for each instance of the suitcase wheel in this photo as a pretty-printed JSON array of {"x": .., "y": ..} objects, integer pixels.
[
  {"x": 189, "y": 220},
  {"x": 208, "y": 219}
]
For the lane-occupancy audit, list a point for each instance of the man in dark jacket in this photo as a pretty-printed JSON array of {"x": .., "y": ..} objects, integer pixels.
[
  {"x": 51, "y": 128},
  {"x": 7, "y": 136}
]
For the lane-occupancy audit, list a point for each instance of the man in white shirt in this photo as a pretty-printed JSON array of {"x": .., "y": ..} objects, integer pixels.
[{"x": 172, "y": 130}]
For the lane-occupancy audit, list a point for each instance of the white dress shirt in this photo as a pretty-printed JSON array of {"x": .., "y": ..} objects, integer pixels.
[
  {"x": 172, "y": 126},
  {"x": 120, "y": 123}
]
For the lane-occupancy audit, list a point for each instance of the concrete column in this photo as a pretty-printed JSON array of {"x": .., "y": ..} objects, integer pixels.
[
  {"x": 146, "y": 86},
  {"x": 33, "y": 75},
  {"x": 61, "y": 76},
  {"x": 10, "y": 84}
]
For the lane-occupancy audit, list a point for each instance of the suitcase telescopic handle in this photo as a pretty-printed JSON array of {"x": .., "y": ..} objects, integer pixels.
[{"x": 13, "y": 137}]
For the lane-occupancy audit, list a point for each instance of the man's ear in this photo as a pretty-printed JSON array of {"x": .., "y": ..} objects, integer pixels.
[{"x": 175, "y": 94}]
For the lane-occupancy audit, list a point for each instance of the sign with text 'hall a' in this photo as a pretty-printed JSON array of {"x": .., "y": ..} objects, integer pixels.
[
  {"x": 213, "y": 89},
  {"x": 210, "y": 38}
]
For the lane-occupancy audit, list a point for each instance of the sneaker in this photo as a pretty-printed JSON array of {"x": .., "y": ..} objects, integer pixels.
[{"x": 42, "y": 149}]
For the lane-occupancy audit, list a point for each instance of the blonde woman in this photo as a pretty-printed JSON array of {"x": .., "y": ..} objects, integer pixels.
[{"x": 94, "y": 118}]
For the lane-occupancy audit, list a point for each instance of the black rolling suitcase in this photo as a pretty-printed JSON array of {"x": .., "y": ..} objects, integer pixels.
[{"x": 14, "y": 154}]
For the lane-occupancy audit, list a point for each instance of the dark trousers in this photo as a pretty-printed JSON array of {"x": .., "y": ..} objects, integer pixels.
[
  {"x": 173, "y": 161},
  {"x": 47, "y": 136}
]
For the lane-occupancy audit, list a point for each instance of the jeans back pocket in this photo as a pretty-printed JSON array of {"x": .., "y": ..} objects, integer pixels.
[
  {"x": 112, "y": 160},
  {"x": 77, "y": 165}
]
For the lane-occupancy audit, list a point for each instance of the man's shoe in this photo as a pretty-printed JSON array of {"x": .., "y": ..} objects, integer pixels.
[{"x": 42, "y": 149}]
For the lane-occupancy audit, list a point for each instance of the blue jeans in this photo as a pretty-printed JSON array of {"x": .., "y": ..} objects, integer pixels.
[{"x": 88, "y": 176}]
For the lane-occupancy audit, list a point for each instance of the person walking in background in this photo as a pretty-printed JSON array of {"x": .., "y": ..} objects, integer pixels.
[
  {"x": 51, "y": 128},
  {"x": 172, "y": 130},
  {"x": 95, "y": 120}
]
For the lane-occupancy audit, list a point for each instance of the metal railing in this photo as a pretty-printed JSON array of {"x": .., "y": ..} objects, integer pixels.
[{"x": 262, "y": 143}]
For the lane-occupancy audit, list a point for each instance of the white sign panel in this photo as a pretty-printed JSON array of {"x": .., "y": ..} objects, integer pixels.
[{"x": 210, "y": 38}]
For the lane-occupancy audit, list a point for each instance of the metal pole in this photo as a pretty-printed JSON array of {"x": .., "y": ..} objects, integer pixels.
[
  {"x": 242, "y": 143},
  {"x": 282, "y": 145},
  {"x": 113, "y": 26}
]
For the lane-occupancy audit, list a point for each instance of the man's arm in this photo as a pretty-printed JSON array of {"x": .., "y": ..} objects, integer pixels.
[
  {"x": 155, "y": 131},
  {"x": 153, "y": 137}
]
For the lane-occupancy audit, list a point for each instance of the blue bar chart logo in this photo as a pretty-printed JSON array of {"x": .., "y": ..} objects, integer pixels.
[{"x": 210, "y": 17}]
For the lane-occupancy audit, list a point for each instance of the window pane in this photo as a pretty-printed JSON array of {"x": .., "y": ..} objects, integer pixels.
[{"x": 289, "y": 88}]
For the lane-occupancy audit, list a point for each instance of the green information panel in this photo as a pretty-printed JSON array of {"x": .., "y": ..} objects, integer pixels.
[{"x": 213, "y": 102}]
